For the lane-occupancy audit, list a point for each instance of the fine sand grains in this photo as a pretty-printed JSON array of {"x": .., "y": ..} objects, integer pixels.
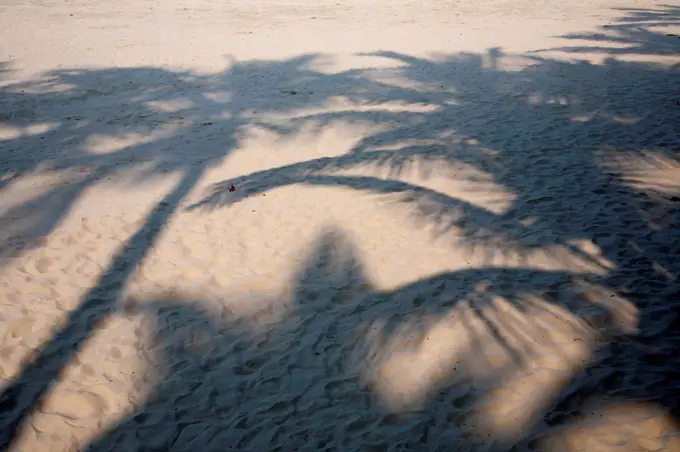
[{"x": 364, "y": 225}]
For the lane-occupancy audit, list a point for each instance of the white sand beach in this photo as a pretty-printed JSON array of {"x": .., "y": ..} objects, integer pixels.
[{"x": 285, "y": 225}]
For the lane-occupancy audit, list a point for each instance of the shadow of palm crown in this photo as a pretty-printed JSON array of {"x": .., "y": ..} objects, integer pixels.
[{"x": 484, "y": 123}]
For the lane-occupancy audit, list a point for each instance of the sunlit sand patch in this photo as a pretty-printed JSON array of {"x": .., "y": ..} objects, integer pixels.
[
  {"x": 408, "y": 371},
  {"x": 405, "y": 374},
  {"x": 101, "y": 384},
  {"x": 522, "y": 356},
  {"x": 583, "y": 117},
  {"x": 517, "y": 404},
  {"x": 327, "y": 140},
  {"x": 108, "y": 144},
  {"x": 617, "y": 426},
  {"x": 255, "y": 302},
  {"x": 171, "y": 106},
  {"x": 655, "y": 176},
  {"x": 8, "y": 132},
  {"x": 643, "y": 171},
  {"x": 219, "y": 96},
  {"x": 539, "y": 99},
  {"x": 343, "y": 104}
]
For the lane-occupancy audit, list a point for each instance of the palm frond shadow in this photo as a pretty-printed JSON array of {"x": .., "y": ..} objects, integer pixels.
[
  {"x": 495, "y": 123},
  {"x": 121, "y": 97},
  {"x": 149, "y": 110},
  {"x": 317, "y": 378},
  {"x": 635, "y": 33},
  {"x": 503, "y": 124}
]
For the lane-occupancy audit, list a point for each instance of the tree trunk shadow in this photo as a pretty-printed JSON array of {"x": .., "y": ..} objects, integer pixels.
[{"x": 24, "y": 395}]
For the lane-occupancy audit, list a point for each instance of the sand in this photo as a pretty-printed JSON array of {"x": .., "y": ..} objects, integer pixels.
[{"x": 339, "y": 225}]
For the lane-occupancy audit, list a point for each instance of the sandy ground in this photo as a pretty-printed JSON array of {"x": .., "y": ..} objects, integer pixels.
[{"x": 339, "y": 225}]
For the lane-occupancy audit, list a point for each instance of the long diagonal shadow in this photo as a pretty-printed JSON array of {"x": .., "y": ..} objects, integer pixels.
[
  {"x": 128, "y": 95},
  {"x": 24, "y": 395},
  {"x": 576, "y": 163}
]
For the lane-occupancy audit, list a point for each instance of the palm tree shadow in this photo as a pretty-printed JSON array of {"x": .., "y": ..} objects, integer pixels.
[
  {"x": 635, "y": 33},
  {"x": 129, "y": 91},
  {"x": 319, "y": 376},
  {"x": 20, "y": 398},
  {"x": 355, "y": 372},
  {"x": 251, "y": 388},
  {"x": 606, "y": 121},
  {"x": 137, "y": 131}
]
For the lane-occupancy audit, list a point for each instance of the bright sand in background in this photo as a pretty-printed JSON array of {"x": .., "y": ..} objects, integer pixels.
[{"x": 235, "y": 317}]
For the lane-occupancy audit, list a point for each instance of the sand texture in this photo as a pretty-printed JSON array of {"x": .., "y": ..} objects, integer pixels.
[{"x": 277, "y": 225}]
